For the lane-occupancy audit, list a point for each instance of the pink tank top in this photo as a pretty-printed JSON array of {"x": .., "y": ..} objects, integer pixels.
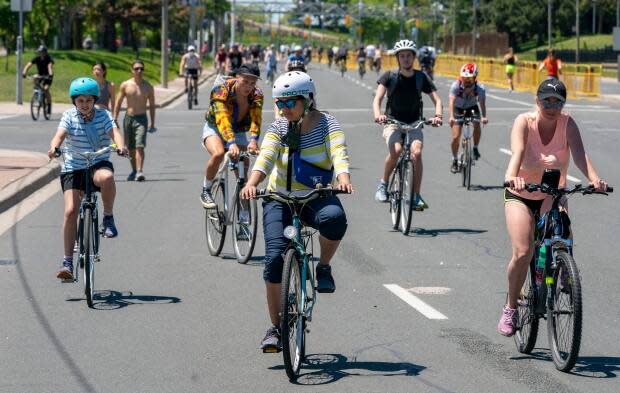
[{"x": 538, "y": 157}]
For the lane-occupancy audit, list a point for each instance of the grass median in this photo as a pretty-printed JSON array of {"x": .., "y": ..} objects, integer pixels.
[{"x": 71, "y": 64}]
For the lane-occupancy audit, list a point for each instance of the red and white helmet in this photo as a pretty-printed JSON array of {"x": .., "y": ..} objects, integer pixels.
[{"x": 469, "y": 70}]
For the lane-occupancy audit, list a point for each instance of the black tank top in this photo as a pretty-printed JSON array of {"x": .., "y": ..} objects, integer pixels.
[{"x": 510, "y": 60}]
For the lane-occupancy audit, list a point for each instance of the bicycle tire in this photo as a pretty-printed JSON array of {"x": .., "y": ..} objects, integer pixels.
[
  {"x": 566, "y": 272},
  {"x": 464, "y": 161},
  {"x": 190, "y": 94},
  {"x": 244, "y": 253},
  {"x": 215, "y": 220},
  {"x": 527, "y": 320},
  {"x": 88, "y": 257},
  {"x": 46, "y": 108},
  {"x": 394, "y": 192},
  {"x": 407, "y": 196},
  {"x": 35, "y": 107},
  {"x": 291, "y": 325},
  {"x": 469, "y": 163}
]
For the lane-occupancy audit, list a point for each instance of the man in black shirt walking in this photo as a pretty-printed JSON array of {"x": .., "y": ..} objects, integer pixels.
[
  {"x": 45, "y": 67},
  {"x": 404, "y": 90}
]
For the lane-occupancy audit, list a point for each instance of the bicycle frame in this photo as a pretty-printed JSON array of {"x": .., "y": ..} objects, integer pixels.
[
  {"x": 307, "y": 303},
  {"x": 223, "y": 175}
]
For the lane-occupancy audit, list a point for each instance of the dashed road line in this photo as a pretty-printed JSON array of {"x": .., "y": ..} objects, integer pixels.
[
  {"x": 568, "y": 177},
  {"x": 415, "y": 302}
]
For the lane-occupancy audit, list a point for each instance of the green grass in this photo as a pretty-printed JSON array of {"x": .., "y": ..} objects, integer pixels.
[
  {"x": 71, "y": 64},
  {"x": 252, "y": 36},
  {"x": 598, "y": 41}
]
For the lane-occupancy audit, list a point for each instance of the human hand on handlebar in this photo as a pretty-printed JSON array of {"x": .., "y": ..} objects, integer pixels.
[
  {"x": 381, "y": 119},
  {"x": 233, "y": 151},
  {"x": 436, "y": 121},
  {"x": 484, "y": 120},
  {"x": 517, "y": 183},
  {"x": 599, "y": 185},
  {"x": 248, "y": 192},
  {"x": 253, "y": 147}
]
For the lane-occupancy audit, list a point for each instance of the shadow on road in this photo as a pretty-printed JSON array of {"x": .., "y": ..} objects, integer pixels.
[
  {"x": 586, "y": 366},
  {"x": 443, "y": 231},
  {"x": 484, "y": 188},
  {"x": 113, "y": 300},
  {"x": 329, "y": 368},
  {"x": 149, "y": 180}
]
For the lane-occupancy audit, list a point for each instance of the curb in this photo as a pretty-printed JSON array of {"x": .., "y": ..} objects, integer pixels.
[
  {"x": 21, "y": 189},
  {"x": 173, "y": 97}
]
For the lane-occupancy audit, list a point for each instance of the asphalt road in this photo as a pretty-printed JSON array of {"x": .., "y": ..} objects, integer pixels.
[{"x": 170, "y": 318}]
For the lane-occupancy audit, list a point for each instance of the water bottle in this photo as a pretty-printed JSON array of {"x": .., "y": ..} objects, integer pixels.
[{"x": 540, "y": 264}]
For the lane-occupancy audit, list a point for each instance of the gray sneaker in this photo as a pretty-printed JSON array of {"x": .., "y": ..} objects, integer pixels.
[
  {"x": 66, "y": 271},
  {"x": 140, "y": 176},
  {"x": 206, "y": 199},
  {"x": 271, "y": 343},
  {"x": 381, "y": 194}
]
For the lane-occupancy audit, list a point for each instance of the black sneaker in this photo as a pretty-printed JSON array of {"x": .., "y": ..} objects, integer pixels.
[
  {"x": 455, "y": 166},
  {"x": 271, "y": 342},
  {"x": 195, "y": 101},
  {"x": 108, "y": 228},
  {"x": 207, "y": 199},
  {"x": 476, "y": 153},
  {"x": 324, "y": 280},
  {"x": 66, "y": 271}
]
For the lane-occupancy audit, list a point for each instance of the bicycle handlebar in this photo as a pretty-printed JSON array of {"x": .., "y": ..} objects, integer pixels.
[
  {"x": 409, "y": 126},
  {"x": 529, "y": 187},
  {"x": 86, "y": 154},
  {"x": 299, "y": 196}
]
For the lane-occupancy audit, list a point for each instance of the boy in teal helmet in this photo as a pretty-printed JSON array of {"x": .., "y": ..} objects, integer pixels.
[{"x": 85, "y": 128}]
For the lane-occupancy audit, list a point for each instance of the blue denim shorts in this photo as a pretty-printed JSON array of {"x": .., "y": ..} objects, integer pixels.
[
  {"x": 241, "y": 138},
  {"x": 324, "y": 214}
]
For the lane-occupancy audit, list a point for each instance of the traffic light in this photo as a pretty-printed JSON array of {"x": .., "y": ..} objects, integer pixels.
[{"x": 347, "y": 20}]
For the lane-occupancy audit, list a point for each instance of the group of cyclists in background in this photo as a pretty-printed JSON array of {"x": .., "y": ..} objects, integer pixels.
[{"x": 305, "y": 146}]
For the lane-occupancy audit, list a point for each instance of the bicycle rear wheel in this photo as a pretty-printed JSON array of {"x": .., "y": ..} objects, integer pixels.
[
  {"x": 90, "y": 231},
  {"x": 46, "y": 108},
  {"x": 215, "y": 220},
  {"x": 35, "y": 106},
  {"x": 527, "y": 321},
  {"x": 565, "y": 316},
  {"x": 244, "y": 233},
  {"x": 190, "y": 94},
  {"x": 408, "y": 196},
  {"x": 394, "y": 192},
  {"x": 292, "y": 323}
]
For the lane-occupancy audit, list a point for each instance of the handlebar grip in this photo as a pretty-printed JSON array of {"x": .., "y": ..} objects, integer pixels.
[
  {"x": 57, "y": 152},
  {"x": 507, "y": 184},
  {"x": 609, "y": 189}
]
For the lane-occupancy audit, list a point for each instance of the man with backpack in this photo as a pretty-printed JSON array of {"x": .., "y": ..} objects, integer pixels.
[
  {"x": 236, "y": 107},
  {"x": 404, "y": 89}
]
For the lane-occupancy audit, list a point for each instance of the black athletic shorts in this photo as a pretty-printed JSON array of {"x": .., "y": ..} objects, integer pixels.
[
  {"x": 193, "y": 72},
  {"x": 533, "y": 204},
  {"x": 75, "y": 180}
]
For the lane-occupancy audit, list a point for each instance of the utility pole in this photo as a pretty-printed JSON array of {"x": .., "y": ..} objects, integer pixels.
[
  {"x": 20, "y": 44},
  {"x": 593, "y": 16},
  {"x": 192, "y": 23},
  {"x": 474, "y": 32},
  {"x": 360, "y": 7},
  {"x": 232, "y": 23},
  {"x": 549, "y": 22},
  {"x": 577, "y": 30},
  {"x": 402, "y": 19},
  {"x": 454, "y": 27},
  {"x": 164, "y": 44}
]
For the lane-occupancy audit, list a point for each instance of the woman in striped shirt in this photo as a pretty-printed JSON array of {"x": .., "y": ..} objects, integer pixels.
[{"x": 318, "y": 153}]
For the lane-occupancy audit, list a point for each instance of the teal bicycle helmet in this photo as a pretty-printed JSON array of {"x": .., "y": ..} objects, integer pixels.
[{"x": 84, "y": 86}]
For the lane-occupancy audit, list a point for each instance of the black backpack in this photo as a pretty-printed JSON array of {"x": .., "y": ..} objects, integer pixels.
[{"x": 393, "y": 81}]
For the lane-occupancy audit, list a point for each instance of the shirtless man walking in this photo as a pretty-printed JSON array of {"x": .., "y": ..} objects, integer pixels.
[{"x": 138, "y": 92}]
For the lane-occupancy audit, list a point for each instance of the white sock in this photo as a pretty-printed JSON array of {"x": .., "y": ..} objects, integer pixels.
[{"x": 207, "y": 183}]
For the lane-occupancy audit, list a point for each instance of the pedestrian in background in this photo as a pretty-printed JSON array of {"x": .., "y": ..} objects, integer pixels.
[
  {"x": 106, "y": 88},
  {"x": 552, "y": 64},
  {"x": 510, "y": 59},
  {"x": 139, "y": 94}
]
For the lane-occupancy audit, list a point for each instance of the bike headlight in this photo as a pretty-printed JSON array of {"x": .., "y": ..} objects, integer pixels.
[{"x": 290, "y": 232}]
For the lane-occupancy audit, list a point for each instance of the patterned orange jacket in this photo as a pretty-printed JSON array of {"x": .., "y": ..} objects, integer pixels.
[{"x": 223, "y": 111}]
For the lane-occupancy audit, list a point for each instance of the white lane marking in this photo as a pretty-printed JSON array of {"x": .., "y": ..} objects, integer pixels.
[
  {"x": 430, "y": 290},
  {"x": 2, "y": 117},
  {"x": 568, "y": 177},
  {"x": 530, "y": 104},
  {"x": 412, "y": 300},
  {"x": 16, "y": 213}
]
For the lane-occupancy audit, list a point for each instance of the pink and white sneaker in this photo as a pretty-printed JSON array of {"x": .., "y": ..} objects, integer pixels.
[{"x": 508, "y": 322}]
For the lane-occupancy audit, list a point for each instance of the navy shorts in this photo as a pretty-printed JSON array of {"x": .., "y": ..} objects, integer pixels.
[{"x": 324, "y": 214}]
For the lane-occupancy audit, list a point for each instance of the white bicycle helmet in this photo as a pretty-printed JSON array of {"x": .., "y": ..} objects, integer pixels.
[
  {"x": 405, "y": 45},
  {"x": 191, "y": 48},
  {"x": 293, "y": 84}
]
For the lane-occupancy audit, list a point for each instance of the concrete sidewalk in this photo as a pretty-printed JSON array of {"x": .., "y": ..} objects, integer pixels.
[{"x": 23, "y": 172}]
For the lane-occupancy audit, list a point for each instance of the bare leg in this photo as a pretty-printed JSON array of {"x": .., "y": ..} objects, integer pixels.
[
  {"x": 69, "y": 225},
  {"x": 139, "y": 158},
  {"x": 104, "y": 179},
  {"x": 132, "y": 154},
  {"x": 456, "y": 138},
  {"x": 477, "y": 133},
  {"x": 215, "y": 147},
  {"x": 328, "y": 249},
  {"x": 273, "y": 302},
  {"x": 390, "y": 160},
  {"x": 416, "y": 156},
  {"x": 520, "y": 223}
]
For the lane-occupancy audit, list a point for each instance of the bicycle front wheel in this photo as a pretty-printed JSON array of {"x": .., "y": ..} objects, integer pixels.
[
  {"x": 394, "y": 192},
  {"x": 407, "y": 198},
  {"x": 35, "y": 107},
  {"x": 292, "y": 323},
  {"x": 527, "y": 321},
  {"x": 90, "y": 231},
  {"x": 245, "y": 223},
  {"x": 565, "y": 315},
  {"x": 215, "y": 220},
  {"x": 464, "y": 162}
]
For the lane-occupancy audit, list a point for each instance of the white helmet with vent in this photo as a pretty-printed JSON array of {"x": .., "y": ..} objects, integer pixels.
[
  {"x": 405, "y": 45},
  {"x": 293, "y": 84}
]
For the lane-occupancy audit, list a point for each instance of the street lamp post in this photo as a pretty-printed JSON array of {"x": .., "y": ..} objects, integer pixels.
[
  {"x": 360, "y": 8},
  {"x": 164, "y": 44},
  {"x": 454, "y": 27},
  {"x": 474, "y": 30},
  {"x": 232, "y": 23},
  {"x": 593, "y": 16},
  {"x": 577, "y": 30},
  {"x": 20, "y": 45}
]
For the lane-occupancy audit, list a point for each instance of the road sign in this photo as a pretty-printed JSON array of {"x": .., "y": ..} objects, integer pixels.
[{"x": 26, "y": 5}]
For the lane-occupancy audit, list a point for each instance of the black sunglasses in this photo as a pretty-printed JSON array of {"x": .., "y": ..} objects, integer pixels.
[
  {"x": 289, "y": 103},
  {"x": 139, "y": 69}
]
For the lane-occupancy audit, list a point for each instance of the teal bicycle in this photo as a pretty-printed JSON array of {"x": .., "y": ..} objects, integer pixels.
[{"x": 298, "y": 296}]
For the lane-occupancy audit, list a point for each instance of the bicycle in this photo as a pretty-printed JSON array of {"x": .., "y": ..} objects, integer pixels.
[
  {"x": 361, "y": 67},
  {"x": 39, "y": 98},
  {"x": 87, "y": 243},
  {"x": 466, "y": 158},
  {"x": 242, "y": 215},
  {"x": 400, "y": 192},
  {"x": 343, "y": 67},
  {"x": 558, "y": 292},
  {"x": 298, "y": 296},
  {"x": 192, "y": 98}
]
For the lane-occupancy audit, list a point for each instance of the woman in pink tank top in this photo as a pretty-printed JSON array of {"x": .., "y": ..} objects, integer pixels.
[{"x": 542, "y": 139}]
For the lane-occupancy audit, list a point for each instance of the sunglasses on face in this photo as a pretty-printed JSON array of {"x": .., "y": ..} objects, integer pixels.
[
  {"x": 552, "y": 104},
  {"x": 290, "y": 103},
  {"x": 468, "y": 80},
  {"x": 139, "y": 69}
]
